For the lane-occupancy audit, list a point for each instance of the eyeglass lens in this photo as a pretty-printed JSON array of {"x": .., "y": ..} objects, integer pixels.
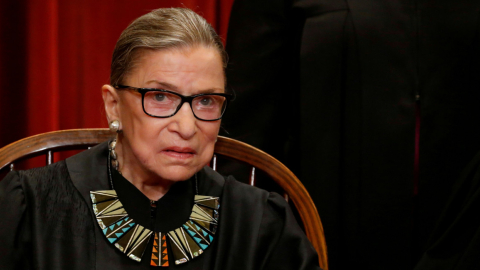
[{"x": 162, "y": 104}]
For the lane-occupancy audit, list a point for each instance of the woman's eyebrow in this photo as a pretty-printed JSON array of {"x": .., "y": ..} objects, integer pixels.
[
  {"x": 211, "y": 91},
  {"x": 164, "y": 85},
  {"x": 175, "y": 88}
]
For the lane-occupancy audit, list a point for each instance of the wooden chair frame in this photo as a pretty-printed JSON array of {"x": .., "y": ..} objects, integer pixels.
[{"x": 47, "y": 143}]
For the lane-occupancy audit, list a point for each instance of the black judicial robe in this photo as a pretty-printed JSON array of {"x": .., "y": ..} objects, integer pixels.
[
  {"x": 455, "y": 242},
  {"x": 333, "y": 88},
  {"x": 47, "y": 220}
]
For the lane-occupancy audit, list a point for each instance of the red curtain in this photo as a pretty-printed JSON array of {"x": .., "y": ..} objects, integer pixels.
[{"x": 55, "y": 56}]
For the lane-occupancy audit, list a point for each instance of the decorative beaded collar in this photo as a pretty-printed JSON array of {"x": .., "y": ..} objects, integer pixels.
[{"x": 186, "y": 242}]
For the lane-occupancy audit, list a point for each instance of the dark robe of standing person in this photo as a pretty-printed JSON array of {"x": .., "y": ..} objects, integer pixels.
[
  {"x": 455, "y": 241},
  {"x": 373, "y": 104}
]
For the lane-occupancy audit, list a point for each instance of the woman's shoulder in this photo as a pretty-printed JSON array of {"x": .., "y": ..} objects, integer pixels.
[
  {"x": 38, "y": 183},
  {"x": 44, "y": 190},
  {"x": 239, "y": 194},
  {"x": 244, "y": 189},
  {"x": 45, "y": 175},
  {"x": 57, "y": 168},
  {"x": 253, "y": 197},
  {"x": 230, "y": 185},
  {"x": 64, "y": 176}
]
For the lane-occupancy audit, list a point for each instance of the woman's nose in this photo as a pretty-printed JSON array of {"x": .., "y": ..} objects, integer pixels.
[{"x": 184, "y": 122}]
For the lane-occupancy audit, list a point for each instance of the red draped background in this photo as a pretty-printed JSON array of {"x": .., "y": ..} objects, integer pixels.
[{"x": 55, "y": 56}]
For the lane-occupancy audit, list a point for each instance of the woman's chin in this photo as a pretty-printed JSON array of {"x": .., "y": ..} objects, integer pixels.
[{"x": 177, "y": 173}]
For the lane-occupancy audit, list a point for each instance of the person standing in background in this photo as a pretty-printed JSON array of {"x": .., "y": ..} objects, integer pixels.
[{"x": 373, "y": 105}]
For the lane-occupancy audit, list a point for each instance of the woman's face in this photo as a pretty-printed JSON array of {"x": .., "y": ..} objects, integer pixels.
[{"x": 171, "y": 148}]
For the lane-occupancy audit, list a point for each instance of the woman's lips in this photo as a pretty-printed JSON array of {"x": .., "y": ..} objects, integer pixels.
[{"x": 179, "y": 152}]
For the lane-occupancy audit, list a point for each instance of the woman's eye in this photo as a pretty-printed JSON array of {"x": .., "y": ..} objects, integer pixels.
[
  {"x": 206, "y": 101},
  {"x": 159, "y": 97}
]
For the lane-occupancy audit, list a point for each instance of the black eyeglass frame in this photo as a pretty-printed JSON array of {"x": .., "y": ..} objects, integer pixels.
[{"x": 184, "y": 99}]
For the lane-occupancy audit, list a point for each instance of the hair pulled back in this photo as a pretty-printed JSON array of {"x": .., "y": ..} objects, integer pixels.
[{"x": 162, "y": 29}]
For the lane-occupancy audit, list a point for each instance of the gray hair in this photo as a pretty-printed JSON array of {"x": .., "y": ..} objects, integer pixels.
[{"x": 161, "y": 29}]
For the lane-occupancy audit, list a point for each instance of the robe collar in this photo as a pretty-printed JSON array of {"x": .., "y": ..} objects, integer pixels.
[{"x": 88, "y": 171}]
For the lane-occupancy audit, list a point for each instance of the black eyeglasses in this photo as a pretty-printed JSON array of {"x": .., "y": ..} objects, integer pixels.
[{"x": 163, "y": 103}]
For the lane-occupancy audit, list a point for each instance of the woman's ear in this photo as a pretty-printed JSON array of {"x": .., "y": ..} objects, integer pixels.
[{"x": 111, "y": 101}]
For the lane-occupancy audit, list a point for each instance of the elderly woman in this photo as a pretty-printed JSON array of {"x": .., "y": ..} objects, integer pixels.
[{"x": 146, "y": 198}]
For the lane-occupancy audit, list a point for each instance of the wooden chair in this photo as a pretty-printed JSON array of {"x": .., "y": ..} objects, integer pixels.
[{"x": 48, "y": 143}]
